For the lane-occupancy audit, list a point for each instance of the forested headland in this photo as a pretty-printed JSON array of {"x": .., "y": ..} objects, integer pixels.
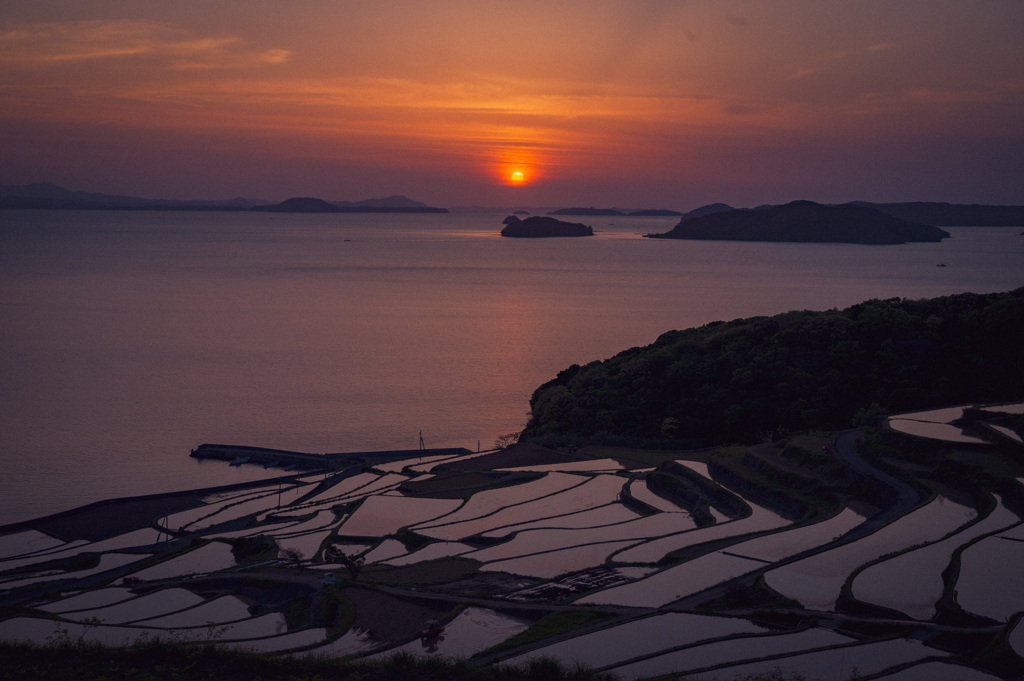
[{"x": 747, "y": 379}]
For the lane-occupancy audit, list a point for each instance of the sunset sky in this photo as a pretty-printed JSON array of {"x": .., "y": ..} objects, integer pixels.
[{"x": 627, "y": 103}]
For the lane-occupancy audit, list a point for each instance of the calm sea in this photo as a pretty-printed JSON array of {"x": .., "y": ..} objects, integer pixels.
[{"x": 128, "y": 338}]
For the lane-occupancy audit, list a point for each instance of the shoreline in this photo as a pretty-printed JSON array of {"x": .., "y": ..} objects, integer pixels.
[{"x": 110, "y": 517}]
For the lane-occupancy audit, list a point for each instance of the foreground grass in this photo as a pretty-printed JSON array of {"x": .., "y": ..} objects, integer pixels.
[
  {"x": 165, "y": 661},
  {"x": 168, "y": 661}
]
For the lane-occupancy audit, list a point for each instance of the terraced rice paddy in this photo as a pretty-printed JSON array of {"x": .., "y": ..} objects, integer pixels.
[
  {"x": 565, "y": 542},
  {"x": 473, "y": 630},
  {"x": 1016, "y": 637},
  {"x": 654, "y": 550},
  {"x": 911, "y": 582},
  {"x": 828, "y": 662},
  {"x": 936, "y": 424},
  {"x": 27, "y": 542},
  {"x": 209, "y": 558},
  {"x": 816, "y": 581},
  {"x": 990, "y": 575},
  {"x": 640, "y": 638},
  {"x": 385, "y": 514},
  {"x": 938, "y": 670}
]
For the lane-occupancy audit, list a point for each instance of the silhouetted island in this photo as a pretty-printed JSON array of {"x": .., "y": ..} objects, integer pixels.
[
  {"x": 393, "y": 204},
  {"x": 541, "y": 226},
  {"x": 804, "y": 221},
  {"x": 300, "y": 204}
]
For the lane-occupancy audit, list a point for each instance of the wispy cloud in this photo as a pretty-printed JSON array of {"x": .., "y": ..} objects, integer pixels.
[
  {"x": 830, "y": 60},
  {"x": 85, "y": 41},
  {"x": 275, "y": 56}
]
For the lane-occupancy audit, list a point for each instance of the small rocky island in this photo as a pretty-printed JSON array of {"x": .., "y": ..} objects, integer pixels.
[
  {"x": 804, "y": 221},
  {"x": 541, "y": 226}
]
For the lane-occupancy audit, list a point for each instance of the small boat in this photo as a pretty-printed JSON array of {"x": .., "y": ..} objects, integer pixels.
[
  {"x": 271, "y": 465},
  {"x": 289, "y": 467},
  {"x": 239, "y": 461}
]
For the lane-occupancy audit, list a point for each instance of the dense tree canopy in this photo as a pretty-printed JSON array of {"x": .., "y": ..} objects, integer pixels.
[{"x": 740, "y": 380}]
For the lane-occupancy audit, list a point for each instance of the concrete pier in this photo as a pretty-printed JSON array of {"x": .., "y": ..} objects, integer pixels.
[{"x": 282, "y": 458}]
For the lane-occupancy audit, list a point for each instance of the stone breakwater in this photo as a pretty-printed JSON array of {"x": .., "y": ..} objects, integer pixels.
[{"x": 282, "y": 458}]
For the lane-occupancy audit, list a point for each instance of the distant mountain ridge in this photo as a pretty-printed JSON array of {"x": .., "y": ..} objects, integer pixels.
[
  {"x": 48, "y": 196},
  {"x": 391, "y": 204},
  {"x": 393, "y": 201}
]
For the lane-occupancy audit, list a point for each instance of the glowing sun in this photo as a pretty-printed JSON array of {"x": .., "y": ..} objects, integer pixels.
[{"x": 517, "y": 177}]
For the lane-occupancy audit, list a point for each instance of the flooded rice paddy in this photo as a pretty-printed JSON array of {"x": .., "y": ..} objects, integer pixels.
[
  {"x": 829, "y": 663},
  {"x": 88, "y": 600},
  {"x": 216, "y": 611},
  {"x": 208, "y": 558},
  {"x": 141, "y": 608},
  {"x": 938, "y": 424},
  {"x": 936, "y": 431},
  {"x": 472, "y": 631},
  {"x": 911, "y": 582},
  {"x": 306, "y": 544},
  {"x": 602, "y": 516},
  {"x": 488, "y": 502},
  {"x": 385, "y": 514},
  {"x": 938, "y": 670},
  {"x": 27, "y": 542},
  {"x": 654, "y": 550},
  {"x": 816, "y": 581},
  {"x": 639, "y": 638},
  {"x": 716, "y": 653},
  {"x": 430, "y": 552},
  {"x": 989, "y": 583},
  {"x": 1016, "y": 637},
  {"x": 639, "y": 491}
]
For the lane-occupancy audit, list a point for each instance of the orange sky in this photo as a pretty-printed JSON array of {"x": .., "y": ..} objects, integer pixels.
[{"x": 611, "y": 103}]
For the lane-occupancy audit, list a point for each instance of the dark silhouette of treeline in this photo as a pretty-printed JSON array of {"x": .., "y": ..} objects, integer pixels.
[{"x": 748, "y": 379}]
